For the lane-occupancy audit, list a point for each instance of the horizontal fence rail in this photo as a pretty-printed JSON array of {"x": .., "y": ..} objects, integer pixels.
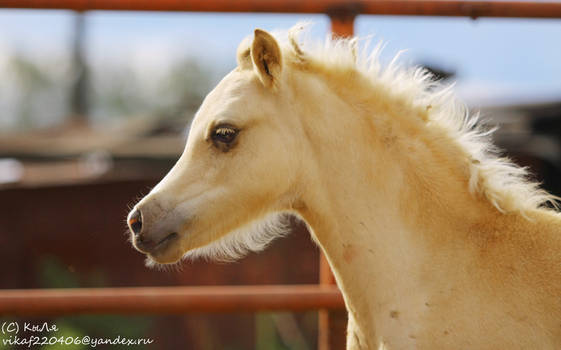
[
  {"x": 456, "y": 8},
  {"x": 169, "y": 300}
]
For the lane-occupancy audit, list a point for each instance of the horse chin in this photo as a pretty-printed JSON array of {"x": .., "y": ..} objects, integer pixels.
[{"x": 171, "y": 255}]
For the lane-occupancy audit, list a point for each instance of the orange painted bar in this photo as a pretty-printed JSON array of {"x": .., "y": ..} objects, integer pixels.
[
  {"x": 168, "y": 300},
  {"x": 472, "y": 9}
]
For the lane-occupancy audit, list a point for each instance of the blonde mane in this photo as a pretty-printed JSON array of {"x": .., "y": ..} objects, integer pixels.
[{"x": 506, "y": 185}]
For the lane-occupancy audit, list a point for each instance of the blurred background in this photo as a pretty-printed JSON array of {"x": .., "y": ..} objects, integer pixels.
[{"x": 94, "y": 109}]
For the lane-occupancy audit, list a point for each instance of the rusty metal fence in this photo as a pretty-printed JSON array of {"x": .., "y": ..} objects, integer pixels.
[{"x": 325, "y": 296}]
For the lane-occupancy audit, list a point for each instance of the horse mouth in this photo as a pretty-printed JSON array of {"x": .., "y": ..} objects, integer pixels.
[{"x": 152, "y": 248}]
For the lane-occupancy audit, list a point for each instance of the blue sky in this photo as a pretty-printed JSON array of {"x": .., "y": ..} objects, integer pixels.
[{"x": 496, "y": 60}]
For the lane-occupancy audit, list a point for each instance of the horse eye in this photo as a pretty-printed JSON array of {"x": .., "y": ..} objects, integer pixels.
[{"x": 224, "y": 134}]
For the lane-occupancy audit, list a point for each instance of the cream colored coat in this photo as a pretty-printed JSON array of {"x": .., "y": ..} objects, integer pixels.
[{"x": 434, "y": 242}]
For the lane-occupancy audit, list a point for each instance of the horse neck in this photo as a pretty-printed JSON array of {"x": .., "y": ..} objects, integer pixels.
[{"x": 381, "y": 195}]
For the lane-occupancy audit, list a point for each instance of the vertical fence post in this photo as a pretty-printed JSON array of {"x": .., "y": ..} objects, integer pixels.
[
  {"x": 79, "y": 89},
  {"x": 342, "y": 23},
  {"x": 332, "y": 324}
]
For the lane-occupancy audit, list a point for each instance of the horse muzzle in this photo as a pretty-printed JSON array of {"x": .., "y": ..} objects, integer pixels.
[{"x": 147, "y": 238}]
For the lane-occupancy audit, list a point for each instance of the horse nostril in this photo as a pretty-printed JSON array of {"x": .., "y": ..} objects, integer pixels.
[{"x": 135, "y": 222}]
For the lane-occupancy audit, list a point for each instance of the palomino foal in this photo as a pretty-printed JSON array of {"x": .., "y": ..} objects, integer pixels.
[{"x": 435, "y": 242}]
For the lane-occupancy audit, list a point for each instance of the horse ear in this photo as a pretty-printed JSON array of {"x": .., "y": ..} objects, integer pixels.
[
  {"x": 266, "y": 56},
  {"x": 244, "y": 54}
]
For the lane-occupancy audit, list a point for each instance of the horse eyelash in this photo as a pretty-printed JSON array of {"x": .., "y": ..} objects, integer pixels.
[{"x": 223, "y": 130}]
